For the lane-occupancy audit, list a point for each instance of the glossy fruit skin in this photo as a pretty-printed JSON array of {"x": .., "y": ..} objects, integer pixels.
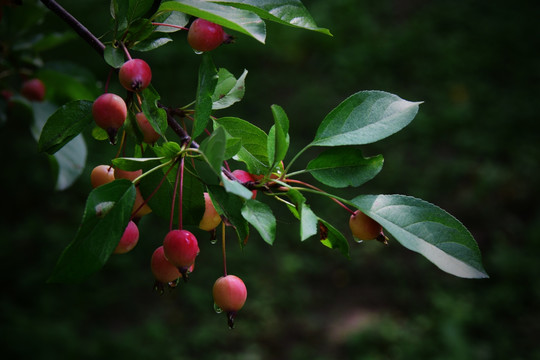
[
  {"x": 162, "y": 269},
  {"x": 211, "y": 218},
  {"x": 101, "y": 174},
  {"x": 229, "y": 293},
  {"x": 150, "y": 136},
  {"x": 204, "y": 35},
  {"x": 181, "y": 248},
  {"x": 245, "y": 177},
  {"x": 33, "y": 90},
  {"x": 128, "y": 175},
  {"x": 109, "y": 111},
  {"x": 135, "y": 75},
  {"x": 129, "y": 239},
  {"x": 364, "y": 227}
]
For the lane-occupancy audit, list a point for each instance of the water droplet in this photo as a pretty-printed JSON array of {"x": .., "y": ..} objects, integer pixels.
[
  {"x": 358, "y": 240},
  {"x": 217, "y": 309},
  {"x": 197, "y": 52},
  {"x": 213, "y": 241}
]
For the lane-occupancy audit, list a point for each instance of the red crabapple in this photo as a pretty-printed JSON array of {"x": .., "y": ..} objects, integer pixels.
[
  {"x": 211, "y": 218},
  {"x": 163, "y": 270},
  {"x": 204, "y": 35},
  {"x": 125, "y": 174},
  {"x": 129, "y": 239},
  {"x": 135, "y": 75},
  {"x": 110, "y": 112},
  {"x": 33, "y": 90},
  {"x": 139, "y": 200},
  {"x": 181, "y": 248},
  {"x": 150, "y": 135},
  {"x": 364, "y": 227},
  {"x": 244, "y": 177},
  {"x": 229, "y": 294},
  {"x": 101, "y": 174}
]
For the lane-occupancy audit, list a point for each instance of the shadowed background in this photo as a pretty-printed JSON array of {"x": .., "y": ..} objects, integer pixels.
[{"x": 472, "y": 150}]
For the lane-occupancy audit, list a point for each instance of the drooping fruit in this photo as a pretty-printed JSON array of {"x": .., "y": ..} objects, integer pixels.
[
  {"x": 181, "y": 248},
  {"x": 135, "y": 75},
  {"x": 110, "y": 112},
  {"x": 33, "y": 90},
  {"x": 125, "y": 174},
  {"x": 101, "y": 174},
  {"x": 163, "y": 270},
  {"x": 363, "y": 227},
  {"x": 245, "y": 178},
  {"x": 150, "y": 135},
  {"x": 211, "y": 218},
  {"x": 204, "y": 35},
  {"x": 229, "y": 294},
  {"x": 129, "y": 239}
]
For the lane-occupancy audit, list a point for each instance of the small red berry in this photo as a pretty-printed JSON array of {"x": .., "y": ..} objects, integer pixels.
[
  {"x": 135, "y": 75},
  {"x": 364, "y": 227},
  {"x": 33, "y": 90},
  {"x": 204, "y": 35},
  {"x": 129, "y": 239},
  {"x": 163, "y": 270},
  {"x": 245, "y": 177},
  {"x": 150, "y": 135},
  {"x": 181, "y": 248},
  {"x": 101, "y": 174},
  {"x": 211, "y": 218},
  {"x": 110, "y": 112},
  {"x": 229, "y": 293}
]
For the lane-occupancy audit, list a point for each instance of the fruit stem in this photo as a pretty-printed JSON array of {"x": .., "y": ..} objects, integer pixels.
[
  {"x": 175, "y": 188},
  {"x": 296, "y": 157},
  {"x": 126, "y": 52},
  {"x": 170, "y": 25},
  {"x": 321, "y": 192},
  {"x": 180, "y": 202}
]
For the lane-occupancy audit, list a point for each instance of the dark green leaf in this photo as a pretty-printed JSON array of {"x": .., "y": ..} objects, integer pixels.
[
  {"x": 66, "y": 123},
  {"x": 287, "y": 12},
  {"x": 133, "y": 164},
  {"x": 254, "y": 151},
  {"x": 114, "y": 56},
  {"x": 205, "y": 88},
  {"x": 52, "y": 40},
  {"x": 229, "y": 90},
  {"x": 428, "y": 230},
  {"x": 151, "y": 43},
  {"x": 230, "y": 206},
  {"x": 344, "y": 166},
  {"x": 107, "y": 212},
  {"x": 364, "y": 118},
  {"x": 333, "y": 238},
  {"x": 213, "y": 149},
  {"x": 234, "y": 187},
  {"x": 167, "y": 150},
  {"x": 260, "y": 216},
  {"x": 278, "y": 137},
  {"x": 302, "y": 211},
  {"x": 175, "y": 18},
  {"x": 140, "y": 30},
  {"x": 156, "y": 116},
  {"x": 239, "y": 20}
]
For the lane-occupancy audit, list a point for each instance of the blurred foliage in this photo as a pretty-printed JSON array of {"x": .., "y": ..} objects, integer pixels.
[{"x": 472, "y": 150}]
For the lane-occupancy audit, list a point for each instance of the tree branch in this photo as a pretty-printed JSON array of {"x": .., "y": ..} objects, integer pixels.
[{"x": 75, "y": 25}]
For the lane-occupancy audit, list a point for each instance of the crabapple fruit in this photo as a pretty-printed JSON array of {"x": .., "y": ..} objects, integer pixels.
[
  {"x": 163, "y": 270},
  {"x": 150, "y": 135},
  {"x": 101, "y": 174},
  {"x": 125, "y": 174},
  {"x": 129, "y": 239},
  {"x": 244, "y": 177},
  {"x": 135, "y": 75},
  {"x": 204, "y": 35},
  {"x": 364, "y": 227},
  {"x": 110, "y": 112},
  {"x": 139, "y": 201},
  {"x": 229, "y": 293},
  {"x": 33, "y": 90},
  {"x": 181, "y": 248},
  {"x": 211, "y": 218}
]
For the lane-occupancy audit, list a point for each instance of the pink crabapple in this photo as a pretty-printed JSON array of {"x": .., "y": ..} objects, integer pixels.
[
  {"x": 135, "y": 75},
  {"x": 181, "y": 248},
  {"x": 204, "y": 35},
  {"x": 129, "y": 239},
  {"x": 33, "y": 90},
  {"x": 211, "y": 218},
  {"x": 230, "y": 294},
  {"x": 245, "y": 177},
  {"x": 150, "y": 136},
  {"x": 101, "y": 174},
  {"x": 109, "y": 111}
]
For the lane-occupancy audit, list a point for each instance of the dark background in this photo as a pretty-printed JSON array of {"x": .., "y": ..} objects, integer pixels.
[{"x": 472, "y": 150}]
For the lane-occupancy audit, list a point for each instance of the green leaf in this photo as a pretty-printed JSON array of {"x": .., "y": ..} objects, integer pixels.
[
  {"x": 239, "y": 20},
  {"x": 66, "y": 123},
  {"x": 230, "y": 206},
  {"x": 151, "y": 43},
  {"x": 138, "y": 31},
  {"x": 254, "y": 152},
  {"x": 156, "y": 116},
  {"x": 278, "y": 137},
  {"x": 302, "y": 211},
  {"x": 333, "y": 238},
  {"x": 205, "y": 89},
  {"x": 344, "y": 166},
  {"x": 213, "y": 149},
  {"x": 66, "y": 81},
  {"x": 71, "y": 160},
  {"x": 234, "y": 187},
  {"x": 107, "y": 212},
  {"x": 133, "y": 164},
  {"x": 229, "y": 90},
  {"x": 286, "y": 12},
  {"x": 364, "y": 118},
  {"x": 175, "y": 18},
  {"x": 428, "y": 230},
  {"x": 260, "y": 216},
  {"x": 114, "y": 56},
  {"x": 167, "y": 150},
  {"x": 50, "y": 41}
]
